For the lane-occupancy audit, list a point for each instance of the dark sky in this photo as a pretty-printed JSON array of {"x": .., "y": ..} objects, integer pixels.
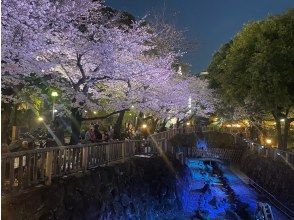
[{"x": 208, "y": 22}]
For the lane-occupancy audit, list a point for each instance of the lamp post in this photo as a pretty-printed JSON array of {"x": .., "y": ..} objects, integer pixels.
[{"x": 54, "y": 94}]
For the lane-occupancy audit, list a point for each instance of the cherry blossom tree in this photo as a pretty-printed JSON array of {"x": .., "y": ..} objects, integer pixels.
[{"x": 95, "y": 61}]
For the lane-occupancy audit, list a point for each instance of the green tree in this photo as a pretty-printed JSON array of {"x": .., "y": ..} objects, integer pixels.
[{"x": 256, "y": 69}]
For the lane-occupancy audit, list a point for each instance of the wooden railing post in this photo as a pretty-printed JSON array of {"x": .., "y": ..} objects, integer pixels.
[
  {"x": 165, "y": 145},
  {"x": 85, "y": 158},
  {"x": 287, "y": 158},
  {"x": 266, "y": 152},
  {"x": 275, "y": 154},
  {"x": 123, "y": 151},
  {"x": 107, "y": 154},
  {"x": 48, "y": 167}
]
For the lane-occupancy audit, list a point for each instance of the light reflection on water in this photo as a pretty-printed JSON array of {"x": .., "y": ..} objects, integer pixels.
[{"x": 206, "y": 194}]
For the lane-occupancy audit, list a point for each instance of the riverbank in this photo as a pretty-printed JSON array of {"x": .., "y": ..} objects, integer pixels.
[{"x": 139, "y": 188}]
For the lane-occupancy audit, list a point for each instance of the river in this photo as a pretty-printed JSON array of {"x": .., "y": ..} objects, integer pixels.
[{"x": 215, "y": 192}]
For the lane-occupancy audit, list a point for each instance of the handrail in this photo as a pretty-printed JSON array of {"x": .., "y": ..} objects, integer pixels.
[
  {"x": 277, "y": 203},
  {"x": 24, "y": 169},
  {"x": 47, "y": 149},
  {"x": 274, "y": 153}
]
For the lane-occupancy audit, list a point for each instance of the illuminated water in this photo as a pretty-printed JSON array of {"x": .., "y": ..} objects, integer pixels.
[{"x": 214, "y": 192}]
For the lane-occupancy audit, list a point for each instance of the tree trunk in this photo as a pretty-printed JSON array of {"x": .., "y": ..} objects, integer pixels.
[
  {"x": 5, "y": 121},
  {"x": 162, "y": 128},
  {"x": 286, "y": 132},
  {"x": 118, "y": 125},
  {"x": 282, "y": 132},
  {"x": 139, "y": 120},
  {"x": 75, "y": 122}
]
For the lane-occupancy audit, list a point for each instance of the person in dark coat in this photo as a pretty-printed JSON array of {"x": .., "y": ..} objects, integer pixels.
[{"x": 98, "y": 134}]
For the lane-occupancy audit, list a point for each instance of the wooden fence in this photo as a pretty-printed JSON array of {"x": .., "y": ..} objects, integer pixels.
[{"x": 24, "y": 169}]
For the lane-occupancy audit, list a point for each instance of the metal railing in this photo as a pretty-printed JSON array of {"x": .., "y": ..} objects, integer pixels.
[{"x": 272, "y": 153}]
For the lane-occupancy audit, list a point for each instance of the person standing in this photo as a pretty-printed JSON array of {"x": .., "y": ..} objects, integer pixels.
[
  {"x": 97, "y": 133},
  {"x": 90, "y": 135}
]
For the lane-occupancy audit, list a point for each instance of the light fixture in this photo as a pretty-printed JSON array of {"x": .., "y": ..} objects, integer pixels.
[
  {"x": 40, "y": 119},
  {"x": 268, "y": 141},
  {"x": 54, "y": 94}
]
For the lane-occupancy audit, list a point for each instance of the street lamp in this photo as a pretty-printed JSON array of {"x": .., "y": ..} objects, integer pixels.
[
  {"x": 268, "y": 141},
  {"x": 40, "y": 119},
  {"x": 54, "y": 94}
]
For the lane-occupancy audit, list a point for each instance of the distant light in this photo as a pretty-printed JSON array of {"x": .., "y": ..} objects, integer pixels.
[
  {"x": 40, "y": 119},
  {"x": 279, "y": 154},
  {"x": 86, "y": 111},
  {"x": 204, "y": 73},
  {"x": 180, "y": 71},
  {"x": 268, "y": 141},
  {"x": 188, "y": 123},
  {"x": 282, "y": 119},
  {"x": 238, "y": 126},
  {"x": 228, "y": 126},
  {"x": 54, "y": 94},
  {"x": 130, "y": 114},
  {"x": 94, "y": 112},
  {"x": 144, "y": 126},
  {"x": 55, "y": 110},
  {"x": 132, "y": 106}
]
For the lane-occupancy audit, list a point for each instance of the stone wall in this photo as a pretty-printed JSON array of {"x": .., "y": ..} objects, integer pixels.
[{"x": 140, "y": 188}]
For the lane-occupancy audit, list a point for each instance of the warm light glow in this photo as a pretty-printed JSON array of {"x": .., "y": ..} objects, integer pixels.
[
  {"x": 228, "y": 126},
  {"x": 144, "y": 126},
  {"x": 282, "y": 119},
  {"x": 94, "y": 112},
  {"x": 238, "y": 126},
  {"x": 54, "y": 94},
  {"x": 268, "y": 141},
  {"x": 188, "y": 123},
  {"x": 173, "y": 121},
  {"x": 40, "y": 119}
]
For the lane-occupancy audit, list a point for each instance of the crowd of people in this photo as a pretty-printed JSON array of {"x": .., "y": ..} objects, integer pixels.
[{"x": 95, "y": 134}]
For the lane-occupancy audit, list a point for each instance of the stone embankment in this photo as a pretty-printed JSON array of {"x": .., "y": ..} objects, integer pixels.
[{"x": 141, "y": 188}]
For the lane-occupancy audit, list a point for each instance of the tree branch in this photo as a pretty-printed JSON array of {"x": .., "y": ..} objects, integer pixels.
[{"x": 105, "y": 116}]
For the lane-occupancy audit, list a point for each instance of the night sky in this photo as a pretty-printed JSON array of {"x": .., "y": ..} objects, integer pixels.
[{"x": 208, "y": 22}]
